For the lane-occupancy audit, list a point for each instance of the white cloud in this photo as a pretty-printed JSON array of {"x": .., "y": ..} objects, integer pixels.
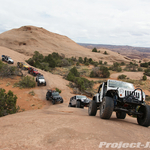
[{"x": 99, "y": 21}]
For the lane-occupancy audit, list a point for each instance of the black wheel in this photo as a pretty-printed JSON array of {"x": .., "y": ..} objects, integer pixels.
[
  {"x": 69, "y": 105},
  {"x": 78, "y": 105},
  {"x": 106, "y": 108},
  {"x": 34, "y": 74},
  {"x": 47, "y": 98},
  {"x": 144, "y": 120},
  {"x": 92, "y": 109},
  {"x": 38, "y": 84},
  {"x": 53, "y": 101},
  {"x": 2, "y": 59},
  {"x": 45, "y": 84},
  {"x": 28, "y": 71},
  {"x": 120, "y": 114},
  {"x": 36, "y": 79},
  {"x": 61, "y": 101}
]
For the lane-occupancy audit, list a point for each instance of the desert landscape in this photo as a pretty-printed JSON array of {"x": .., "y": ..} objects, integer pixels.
[{"x": 43, "y": 126}]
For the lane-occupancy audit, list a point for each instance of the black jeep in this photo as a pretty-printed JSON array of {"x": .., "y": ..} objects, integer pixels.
[{"x": 53, "y": 96}]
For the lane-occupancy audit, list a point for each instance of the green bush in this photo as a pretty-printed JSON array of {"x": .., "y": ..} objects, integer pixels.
[
  {"x": 105, "y": 63},
  {"x": 83, "y": 83},
  {"x": 95, "y": 72},
  {"x": 105, "y": 53},
  {"x": 144, "y": 77},
  {"x": 57, "y": 90},
  {"x": 77, "y": 64},
  {"x": 80, "y": 60},
  {"x": 100, "y": 62},
  {"x": 70, "y": 76},
  {"x": 7, "y": 103},
  {"x": 94, "y": 49},
  {"x": 122, "y": 76},
  {"x": 104, "y": 72},
  {"x": 26, "y": 82},
  {"x": 140, "y": 69},
  {"x": 116, "y": 67},
  {"x": 122, "y": 63},
  {"x": 144, "y": 65},
  {"x": 75, "y": 72}
]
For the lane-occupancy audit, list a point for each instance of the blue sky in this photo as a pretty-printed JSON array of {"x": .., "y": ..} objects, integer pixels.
[{"x": 117, "y": 22}]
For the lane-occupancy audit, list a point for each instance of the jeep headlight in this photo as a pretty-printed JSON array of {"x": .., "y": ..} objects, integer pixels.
[
  {"x": 82, "y": 100},
  {"x": 121, "y": 91}
]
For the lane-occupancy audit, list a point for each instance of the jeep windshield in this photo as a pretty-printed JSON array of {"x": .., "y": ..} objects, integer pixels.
[
  {"x": 41, "y": 77},
  {"x": 120, "y": 84},
  {"x": 55, "y": 94},
  {"x": 80, "y": 96}
]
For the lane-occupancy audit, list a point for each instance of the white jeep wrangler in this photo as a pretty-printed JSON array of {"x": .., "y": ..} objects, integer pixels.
[{"x": 122, "y": 98}]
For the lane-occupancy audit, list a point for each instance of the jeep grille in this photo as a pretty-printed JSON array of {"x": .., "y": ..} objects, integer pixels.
[{"x": 135, "y": 93}]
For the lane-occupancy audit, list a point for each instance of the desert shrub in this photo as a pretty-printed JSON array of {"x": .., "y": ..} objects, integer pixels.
[
  {"x": 7, "y": 103},
  {"x": 70, "y": 76},
  {"x": 122, "y": 76},
  {"x": 100, "y": 62},
  {"x": 57, "y": 90},
  {"x": 32, "y": 93},
  {"x": 144, "y": 77},
  {"x": 147, "y": 72},
  {"x": 64, "y": 63},
  {"x": 116, "y": 67},
  {"x": 104, "y": 72},
  {"x": 75, "y": 72},
  {"x": 90, "y": 60},
  {"x": 85, "y": 60},
  {"x": 105, "y": 63},
  {"x": 83, "y": 83},
  {"x": 144, "y": 65},
  {"x": 95, "y": 72},
  {"x": 105, "y": 53},
  {"x": 44, "y": 66},
  {"x": 77, "y": 64},
  {"x": 140, "y": 69},
  {"x": 94, "y": 49},
  {"x": 8, "y": 71},
  {"x": 86, "y": 63},
  {"x": 80, "y": 60},
  {"x": 131, "y": 67},
  {"x": 26, "y": 82},
  {"x": 122, "y": 63}
]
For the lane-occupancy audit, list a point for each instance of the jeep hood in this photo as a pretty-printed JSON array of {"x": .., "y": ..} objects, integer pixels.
[{"x": 42, "y": 80}]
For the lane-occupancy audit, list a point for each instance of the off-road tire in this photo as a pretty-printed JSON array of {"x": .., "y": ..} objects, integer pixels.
[
  {"x": 47, "y": 98},
  {"x": 53, "y": 102},
  {"x": 69, "y": 105},
  {"x": 120, "y": 114},
  {"x": 45, "y": 84},
  {"x": 92, "y": 109},
  {"x": 144, "y": 120},
  {"x": 61, "y": 101},
  {"x": 78, "y": 105},
  {"x": 38, "y": 84},
  {"x": 106, "y": 107},
  {"x": 28, "y": 71},
  {"x": 2, "y": 59}
]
